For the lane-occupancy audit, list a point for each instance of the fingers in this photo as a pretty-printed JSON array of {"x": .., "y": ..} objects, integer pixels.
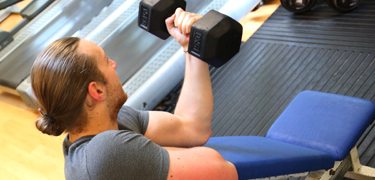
[
  {"x": 190, "y": 22},
  {"x": 184, "y": 20},
  {"x": 179, "y": 26},
  {"x": 184, "y": 25},
  {"x": 178, "y": 13},
  {"x": 180, "y": 20}
]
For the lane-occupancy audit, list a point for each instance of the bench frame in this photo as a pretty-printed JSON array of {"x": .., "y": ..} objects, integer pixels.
[{"x": 350, "y": 167}]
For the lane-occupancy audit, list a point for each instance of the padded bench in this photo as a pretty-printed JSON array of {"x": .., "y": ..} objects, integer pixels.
[{"x": 316, "y": 130}]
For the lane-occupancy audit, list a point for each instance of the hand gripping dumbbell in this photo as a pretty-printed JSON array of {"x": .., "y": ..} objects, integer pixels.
[{"x": 215, "y": 38}]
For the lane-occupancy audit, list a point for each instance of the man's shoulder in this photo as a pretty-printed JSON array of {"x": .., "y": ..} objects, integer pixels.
[
  {"x": 129, "y": 118},
  {"x": 105, "y": 140},
  {"x": 119, "y": 154},
  {"x": 128, "y": 110},
  {"x": 128, "y": 113},
  {"x": 113, "y": 137},
  {"x": 117, "y": 147},
  {"x": 103, "y": 147}
]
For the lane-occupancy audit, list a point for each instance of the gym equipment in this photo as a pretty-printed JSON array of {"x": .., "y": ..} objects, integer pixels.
[
  {"x": 301, "y": 6},
  {"x": 7, "y": 3},
  {"x": 261, "y": 2},
  {"x": 298, "y": 6},
  {"x": 148, "y": 78},
  {"x": 152, "y": 15},
  {"x": 343, "y": 5},
  {"x": 314, "y": 131},
  {"x": 28, "y": 13},
  {"x": 34, "y": 8},
  {"x": 72, "y": 18},
  {"x": 215, "y": 38},
  {"x": 5, "y": 39}
]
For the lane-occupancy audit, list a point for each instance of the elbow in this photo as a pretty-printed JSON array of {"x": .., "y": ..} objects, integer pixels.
[
  {"x": 203, "y": 137},
  {"x": 205, "y": 132},
  {"x": 198, "y": 131},
  {"x": 206, "y": 136}
]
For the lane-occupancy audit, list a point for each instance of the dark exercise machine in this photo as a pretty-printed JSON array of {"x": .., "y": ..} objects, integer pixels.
[
  {"x": 15, "y": 66},
  {"x": 6, "y": 3},
  {"x": 28, "y": 13}
]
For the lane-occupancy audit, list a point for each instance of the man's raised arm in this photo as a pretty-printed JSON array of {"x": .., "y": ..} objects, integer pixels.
[{"x": 190, "y": 125}]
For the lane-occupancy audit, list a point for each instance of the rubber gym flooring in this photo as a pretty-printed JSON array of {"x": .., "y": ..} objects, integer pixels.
[{"x": 321, "y": 50}]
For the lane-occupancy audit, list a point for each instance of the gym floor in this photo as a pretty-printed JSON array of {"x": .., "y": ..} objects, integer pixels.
[{"x": 28, "y": 154}]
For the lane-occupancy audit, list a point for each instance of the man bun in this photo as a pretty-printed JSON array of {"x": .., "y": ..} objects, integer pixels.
[{"x": 47, "y": 124}]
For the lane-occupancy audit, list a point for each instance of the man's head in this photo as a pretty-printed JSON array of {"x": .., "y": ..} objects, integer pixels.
[{"x": 70, "y": 78}]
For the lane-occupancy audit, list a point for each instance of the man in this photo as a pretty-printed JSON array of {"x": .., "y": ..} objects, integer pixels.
[{"x": 80, "y": 93}]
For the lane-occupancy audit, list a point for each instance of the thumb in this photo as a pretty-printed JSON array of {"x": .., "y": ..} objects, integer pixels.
[{"x": 169, "y": 22}]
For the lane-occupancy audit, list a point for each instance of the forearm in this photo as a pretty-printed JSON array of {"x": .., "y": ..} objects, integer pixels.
[
  {"x": 195, "y": 103},
  {"x": 191, "y": 123}
]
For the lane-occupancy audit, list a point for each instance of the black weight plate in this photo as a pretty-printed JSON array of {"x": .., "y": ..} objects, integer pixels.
[
  {"x": 296, "y": 7},
  {"x": 343, "y": 5}
]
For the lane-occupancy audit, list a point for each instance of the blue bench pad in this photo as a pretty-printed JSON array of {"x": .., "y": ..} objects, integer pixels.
[
  {"x": 326, "y": 122},
  {"x": 256, "y": 157}
]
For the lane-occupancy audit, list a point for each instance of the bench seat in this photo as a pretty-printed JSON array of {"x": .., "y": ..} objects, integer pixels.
[
  {"x": 314, "y": 131},
  {"x": 256, "y": 157}
]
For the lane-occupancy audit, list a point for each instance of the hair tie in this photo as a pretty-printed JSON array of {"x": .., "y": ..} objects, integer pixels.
[{"x": 53, "y": 120}]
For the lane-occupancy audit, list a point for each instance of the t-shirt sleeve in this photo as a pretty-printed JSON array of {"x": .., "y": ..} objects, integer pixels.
[
  {"x": 131, "y": 119},
  {"x": 126, "y": 155}
]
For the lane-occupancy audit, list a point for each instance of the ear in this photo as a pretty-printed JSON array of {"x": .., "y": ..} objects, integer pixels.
[{"x": 96, "y": 91}]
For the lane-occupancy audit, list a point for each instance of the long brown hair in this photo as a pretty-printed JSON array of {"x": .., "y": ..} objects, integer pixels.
[{"x": 59, "y": 78}]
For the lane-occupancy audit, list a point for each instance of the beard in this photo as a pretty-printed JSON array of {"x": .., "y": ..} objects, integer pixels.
[{"x": 116, "y": 99}]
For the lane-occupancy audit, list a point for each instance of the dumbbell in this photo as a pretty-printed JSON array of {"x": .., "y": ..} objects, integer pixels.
[
  {"x": 343, "y": 5},
  {"x": 301, "y": 6},
  {"x": 298, "y": 6},
  {"x": 215, "y": 38}
]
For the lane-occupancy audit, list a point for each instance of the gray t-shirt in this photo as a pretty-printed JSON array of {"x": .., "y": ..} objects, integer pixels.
[{"x": 117, "y": 154}]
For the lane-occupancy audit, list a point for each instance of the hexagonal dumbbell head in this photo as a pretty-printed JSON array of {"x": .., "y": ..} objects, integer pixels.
[
  {"x": 215, "y": 38},
  {"x": 152, "y": 15}
]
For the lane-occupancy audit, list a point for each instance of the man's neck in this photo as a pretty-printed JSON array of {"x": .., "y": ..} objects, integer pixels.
[{"x": 97, "y": 124}]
